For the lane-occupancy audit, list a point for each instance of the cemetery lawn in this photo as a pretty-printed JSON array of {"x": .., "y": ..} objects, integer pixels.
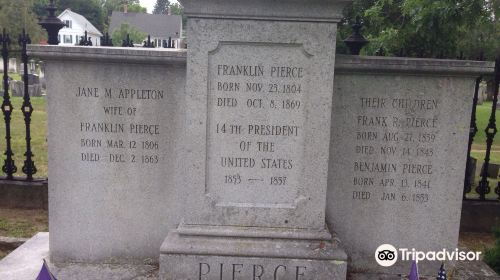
[
  {"x": 18, "y": 134},
  {"x": 22, "y": 223},
  {"x": 477, "y": 241},
  {"x": 15, "y": 76}
]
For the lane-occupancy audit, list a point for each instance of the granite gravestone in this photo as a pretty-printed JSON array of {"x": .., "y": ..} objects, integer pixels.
[
  {"x": 112, "y": 132},
  {"x": 259, "y": 93},
  {"x": 400, "y": 129}
]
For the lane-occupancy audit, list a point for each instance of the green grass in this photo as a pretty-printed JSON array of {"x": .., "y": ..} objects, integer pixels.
[
  {"x": 15, "y": 76},
  {"x": 483, "y": 113},
  {"x": 20, "y": 228},
  {"x": 480, "y": 154},
  {"x": 22, "y": 223},
  {"x": 18, "y": 134}
]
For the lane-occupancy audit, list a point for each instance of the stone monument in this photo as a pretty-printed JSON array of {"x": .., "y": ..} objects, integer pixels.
[
  {"x": 223, "y": 170},
  {"x": 112, "y": 132},
  {"x": 400, "y": 128},
  {"x": 257, "y": 130}
]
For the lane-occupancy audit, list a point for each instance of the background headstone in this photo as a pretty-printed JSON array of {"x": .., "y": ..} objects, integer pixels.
[
  {"x": 481, "y": 97},
  {"x": 400, "y": 129},
  {"x": 16, "y": 88}
]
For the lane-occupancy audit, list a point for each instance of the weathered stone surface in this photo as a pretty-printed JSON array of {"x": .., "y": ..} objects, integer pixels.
[
  {"x": 399, "y": 142},
  {"x": 250, "y": 253},
  {"x": 26, "y": 261},
  {"x": 286, "y": 10},
  {"x": 113, "y": 126},
  {"x": 191, "y": 267},
  {"x": 216, "y": 48},
  {"x": 257, "y": 127}
]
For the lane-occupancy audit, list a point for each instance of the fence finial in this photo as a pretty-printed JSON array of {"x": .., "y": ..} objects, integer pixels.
[
  {"x": 127, "y": 42},
  {"x": 356, "y": 41},
  {"x": 106, "y": 41},
  {"x": 85, "y": 40},
  {"x": 52, "y": 24},
  {"x": 148, "y": 43}
]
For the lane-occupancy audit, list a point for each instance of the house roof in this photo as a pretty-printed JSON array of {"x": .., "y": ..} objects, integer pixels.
[
  {"x": 160, "y": 26},
  {"x": 81, "y": 21}
]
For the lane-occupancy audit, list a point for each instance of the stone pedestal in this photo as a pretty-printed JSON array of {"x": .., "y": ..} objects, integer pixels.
[
  {"x": 255, "y": 151},
  {"x": 221, "y": 252}
]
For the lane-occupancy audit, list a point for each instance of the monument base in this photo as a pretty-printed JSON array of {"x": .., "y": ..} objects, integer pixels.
[{"x": 222, "y": 252}]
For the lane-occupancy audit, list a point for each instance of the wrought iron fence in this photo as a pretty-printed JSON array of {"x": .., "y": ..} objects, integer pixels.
[
  {"x": 9, "y": 167},
  {"x": 483, "y": 187}
]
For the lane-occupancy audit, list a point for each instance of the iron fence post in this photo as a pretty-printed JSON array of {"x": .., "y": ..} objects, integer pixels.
[
  {"x": 9, "y": 167},
  {"x": 491, "y": 130},
  {"x": 472, "y": 133},
  {"x": 496, "y": 88},
  {"x": 29, "y": 166}
]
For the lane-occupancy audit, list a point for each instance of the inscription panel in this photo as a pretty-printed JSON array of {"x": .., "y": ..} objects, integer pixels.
[
  {"x": 124, "y": 131},
  {"x": 394, "y": 147},
  {"x": 256, "y": 116}
]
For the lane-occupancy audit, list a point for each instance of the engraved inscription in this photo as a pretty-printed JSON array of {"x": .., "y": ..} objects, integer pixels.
[
  {"x": 126, "y": 136},
  {"x": 395, "y": 151},
  {"x": 256, "y": 116},
  {"x": 257, "y": 271}
]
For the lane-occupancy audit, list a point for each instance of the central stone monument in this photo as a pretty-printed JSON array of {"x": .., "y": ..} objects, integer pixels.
[{"x": 254, "y": 158}]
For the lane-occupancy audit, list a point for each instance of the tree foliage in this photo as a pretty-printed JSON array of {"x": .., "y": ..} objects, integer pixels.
[
  {"x": 134, "y": 8},
  {"x": 161, "y": 7},
  {"x": 116, "y": 5},
  {"x": 426, "y": 28},
  {"x": 177, "y": 9},
  {"x": 90, "y": 9},
  {"x": 120, "y": 34},
  {"x": 16, "y": 15}
]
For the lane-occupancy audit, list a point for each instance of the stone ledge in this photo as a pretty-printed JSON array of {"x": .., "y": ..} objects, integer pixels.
[
  {"x": 156, "y": 56},
  {"x": 289, "y": 10},
  {"x": 24, "y": 194},
  {"x": 441, "y": 67},
  {"x": 26, "y": 261},
  {"x": 11, "y": 243}
]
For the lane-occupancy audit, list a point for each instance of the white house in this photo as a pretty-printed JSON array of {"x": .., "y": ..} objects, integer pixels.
[{"x": 75, "y": 28}]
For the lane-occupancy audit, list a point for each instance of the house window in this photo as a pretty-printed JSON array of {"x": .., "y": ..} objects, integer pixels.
[
  {"x": 68, "y": 39},
  {"x": 68, "y": 23}
]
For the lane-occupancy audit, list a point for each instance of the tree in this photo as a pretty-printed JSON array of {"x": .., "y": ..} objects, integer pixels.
[
  {"x": 134, "y": 8},
  {"x": 39, "y": 8},
  {"x": 177, "y": 9},
  {"x": 91, "y": 9},
  {"x": 161, "y": 7},
  {"x": 16, "y": 15},
  {"x": 120, "y": 34},
  {"x": 423, "y": 28}
]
